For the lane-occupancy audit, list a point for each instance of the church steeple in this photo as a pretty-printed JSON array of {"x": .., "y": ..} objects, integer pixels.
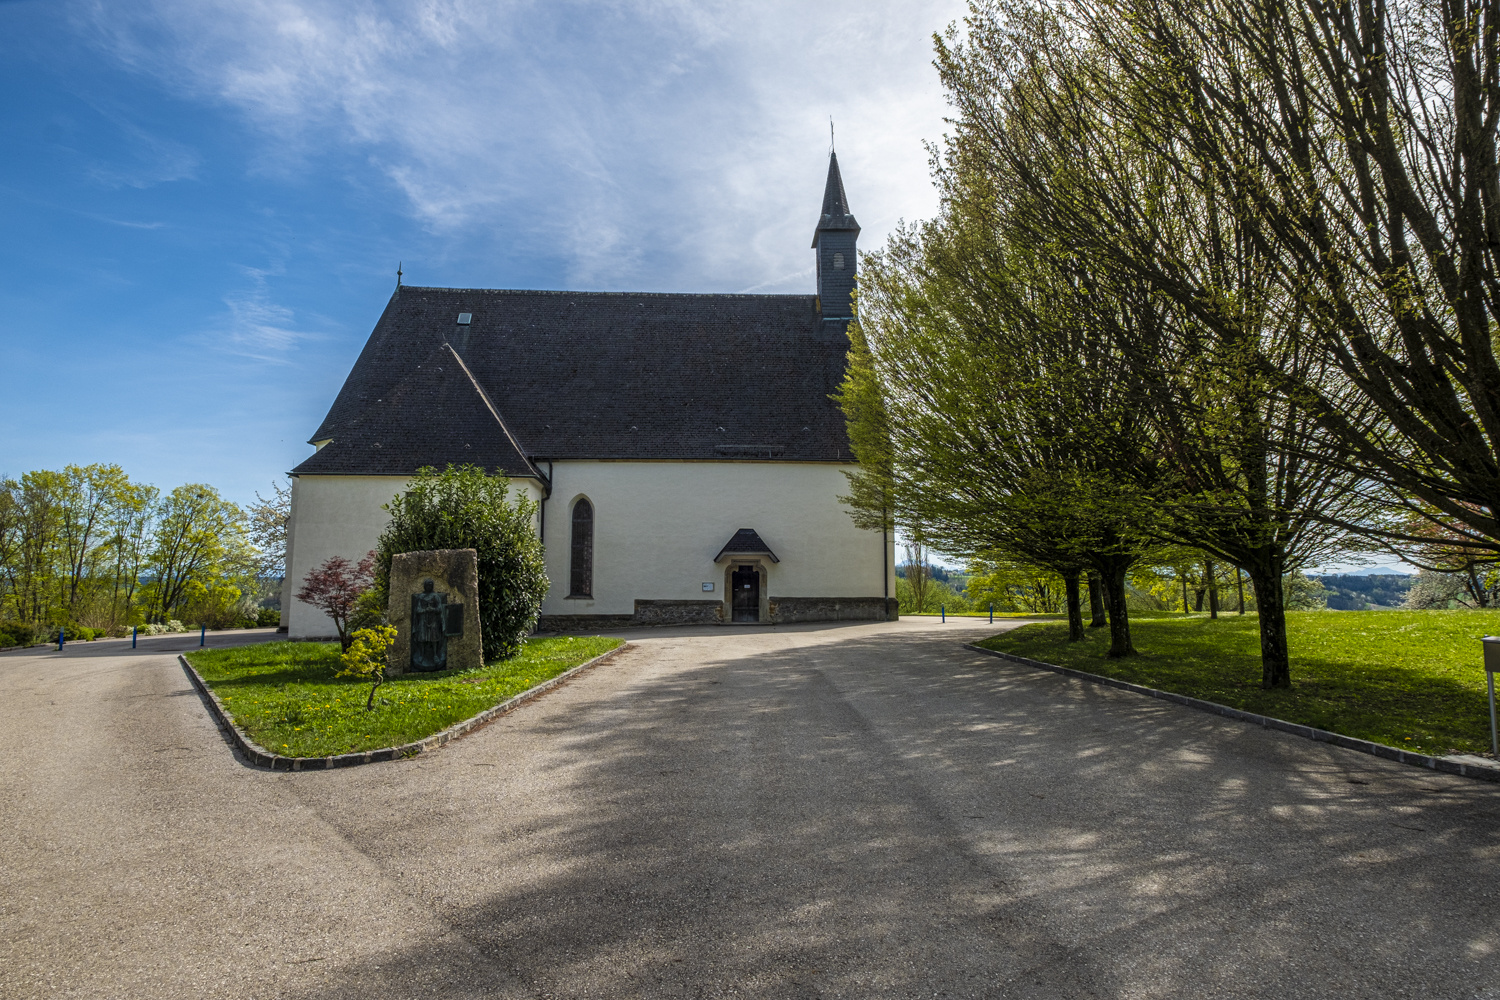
[{"x": 834, "y": 240}]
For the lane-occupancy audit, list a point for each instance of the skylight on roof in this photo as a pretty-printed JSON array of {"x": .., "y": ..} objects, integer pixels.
[{"x": 465, "y": 318}]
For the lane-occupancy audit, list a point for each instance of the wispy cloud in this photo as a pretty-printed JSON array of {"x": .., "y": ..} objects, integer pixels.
[
  {"x": 126, "y": 223},
  {"x": 148, "y": 159},
  {"x": 254, "y": 326},
  {"x": 662, "y": 144}
]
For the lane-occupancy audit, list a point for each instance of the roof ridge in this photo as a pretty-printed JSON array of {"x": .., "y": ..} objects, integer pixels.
[
  {"x": 649, "y": 295},
  {"x": 490, "y": 405}
]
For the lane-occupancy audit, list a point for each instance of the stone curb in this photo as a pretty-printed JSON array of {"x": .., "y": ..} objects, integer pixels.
[
  {"x": 261, "y": 757},
  {"x": 1306, "y": 732}
]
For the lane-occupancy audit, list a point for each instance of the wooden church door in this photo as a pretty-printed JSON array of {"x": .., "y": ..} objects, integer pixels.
[{"x": 746, "y": 583}]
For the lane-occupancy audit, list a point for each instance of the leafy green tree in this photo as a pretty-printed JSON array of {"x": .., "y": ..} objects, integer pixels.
[
  {"x": 367, "y": 656},
  {"x": 1179, "y": 286},
  {"x": 86, "y": 497},
  {"x": 132, "y": 526},
  {"x": 462, "y": 507},
  {"x": 917, "y": 577},
  {"x": 1003, "y": 432},
  {"x": 1014, "y": 586},
  {"x": 199, "y": 540},
  {"x": 1359, "y": 142},
  {"x": 268, "y": 519},
  {"x": 31, "y": 570}
]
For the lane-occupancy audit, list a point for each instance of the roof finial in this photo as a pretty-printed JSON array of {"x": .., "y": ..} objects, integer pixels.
[
  {"x": 398, "y": 274},
  {"x": 830, "y": 133}
]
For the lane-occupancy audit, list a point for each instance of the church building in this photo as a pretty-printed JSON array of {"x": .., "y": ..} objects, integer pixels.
[{"x": 683, "y": 448}]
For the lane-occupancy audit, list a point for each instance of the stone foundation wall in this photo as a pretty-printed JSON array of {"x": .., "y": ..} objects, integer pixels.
[
  {"x": 679, "y": 612},
  {"x": 785, "y": 610},
  {"x": 583, "y": 623}
]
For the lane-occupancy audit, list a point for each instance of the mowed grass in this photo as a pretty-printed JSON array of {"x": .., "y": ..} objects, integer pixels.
[
  {"x": 285, "y": 697},
  {"x": 982, "y": 614},
  {"x": 1410, "y": 679}
]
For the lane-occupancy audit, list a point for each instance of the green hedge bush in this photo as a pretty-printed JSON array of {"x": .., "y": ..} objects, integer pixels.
[{"x": 464, "y": 508}]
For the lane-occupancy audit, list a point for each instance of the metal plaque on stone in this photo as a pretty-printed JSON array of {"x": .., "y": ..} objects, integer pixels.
[{"x": 434, "y": 606}]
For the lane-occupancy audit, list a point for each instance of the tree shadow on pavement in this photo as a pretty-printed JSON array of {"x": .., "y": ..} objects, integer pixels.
[{"x": 889, "y": 815}]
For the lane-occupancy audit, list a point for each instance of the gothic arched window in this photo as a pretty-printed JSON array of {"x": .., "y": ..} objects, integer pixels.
[{"x": 581, "y": 576}]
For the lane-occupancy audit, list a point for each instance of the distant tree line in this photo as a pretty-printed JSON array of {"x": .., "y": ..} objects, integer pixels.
[
  {"x": 88, "y": 550},
  {"x": 1352, "y": 592},
  {"x": 1212, "y": 282}
]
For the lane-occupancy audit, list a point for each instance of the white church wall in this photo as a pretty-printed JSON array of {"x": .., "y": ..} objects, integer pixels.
[
  {"x": 658, "y": 526},
  {"x": 338, "y": 516}
]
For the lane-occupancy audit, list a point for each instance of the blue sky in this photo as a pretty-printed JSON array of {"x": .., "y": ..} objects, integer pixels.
[{"x": 204, "y": 201}]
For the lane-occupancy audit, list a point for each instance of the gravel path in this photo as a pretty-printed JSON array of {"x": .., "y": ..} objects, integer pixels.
[{"x": 856, "y": 811}]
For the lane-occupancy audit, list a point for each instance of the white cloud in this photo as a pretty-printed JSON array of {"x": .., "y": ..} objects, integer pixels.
[
  {"x": 148, "y": 159},
  {"x": 653, "y": 144},
  {"x": 256, "y": 327}
]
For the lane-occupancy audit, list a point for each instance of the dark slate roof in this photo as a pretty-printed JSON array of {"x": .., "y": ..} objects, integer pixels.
[
  {"x": 835, "y": 213},
  {"x": 435, "y": 415},
  {"x": 592, "y": 375},
  {"x": 746, "y": 542}
]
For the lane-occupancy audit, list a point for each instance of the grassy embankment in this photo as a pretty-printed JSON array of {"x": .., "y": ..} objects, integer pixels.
[
  {"x": 1410, "y": 679},
  {"x": 285, "y": 697}
]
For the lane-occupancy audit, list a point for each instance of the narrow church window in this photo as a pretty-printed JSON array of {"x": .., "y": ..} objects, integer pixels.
[
  {"x": 838, "y": 262},
  {"x": 581, "y": 578}
]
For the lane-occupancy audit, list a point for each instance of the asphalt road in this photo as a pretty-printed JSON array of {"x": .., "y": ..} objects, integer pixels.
[{"x": 858, "y": 811}]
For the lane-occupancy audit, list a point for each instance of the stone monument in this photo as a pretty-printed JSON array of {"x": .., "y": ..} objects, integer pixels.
[{"x": 434, "y": 606}]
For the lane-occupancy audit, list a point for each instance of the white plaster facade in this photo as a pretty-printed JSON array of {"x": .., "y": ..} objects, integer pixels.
[{"x": 658, "y": 526}]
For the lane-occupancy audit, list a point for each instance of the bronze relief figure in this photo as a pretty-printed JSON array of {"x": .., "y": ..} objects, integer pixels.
[{"x": 429, "y": 646}]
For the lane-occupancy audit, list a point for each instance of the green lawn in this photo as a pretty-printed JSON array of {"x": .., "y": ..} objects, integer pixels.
[
  {"x": 285, "y": 697},
  {"x": 1410, "y": 679},
  {"x": 981, "y": 614}
]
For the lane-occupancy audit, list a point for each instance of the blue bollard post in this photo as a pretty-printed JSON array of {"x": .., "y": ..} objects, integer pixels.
[
  {"x": 943, "y": 610},
  {"x": 60, "y": 635},
  {"x": 132, "y": 636},
  {"x": 992, "y": 614},
  {"x": 203, "y": 636}
]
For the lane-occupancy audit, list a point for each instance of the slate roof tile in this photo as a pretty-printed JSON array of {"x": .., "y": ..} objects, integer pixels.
[
  {"x": 746, "y": 541},
  {"x": 437, "y": 415},
  {"x": 592, "y": 375}
]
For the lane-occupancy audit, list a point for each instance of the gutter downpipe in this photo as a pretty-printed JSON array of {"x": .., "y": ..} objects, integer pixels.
[
  {"x": 885, "y": 569},
  {"x": 546, "y": 495}
]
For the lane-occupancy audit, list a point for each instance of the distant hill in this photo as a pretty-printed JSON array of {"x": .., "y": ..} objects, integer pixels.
[
  {"x": 940, "y": 573},
  {"x": 1371, "y": 591}
]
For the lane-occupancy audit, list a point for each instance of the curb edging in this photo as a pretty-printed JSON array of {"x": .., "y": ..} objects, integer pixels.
[
  {"x": 1306, "y": 732},
  {"x": 259, "y": 756}
]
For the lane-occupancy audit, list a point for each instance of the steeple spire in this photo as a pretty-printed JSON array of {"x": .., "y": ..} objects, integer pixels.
[
  {"x": 835, "y": 204},
  {"x": 834, "y": 241}
]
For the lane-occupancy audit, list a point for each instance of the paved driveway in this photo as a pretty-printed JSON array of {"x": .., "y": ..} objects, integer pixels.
[{"x": 858, "y": 811}]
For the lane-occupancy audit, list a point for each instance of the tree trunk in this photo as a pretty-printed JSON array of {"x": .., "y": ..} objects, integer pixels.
[
  {"x": 1213, "y": 589},
  {"x": 1096, "y": 602},
  {"x": 1198, "y": 593},
  {"x": 1119, "y": 618},
  {"x": 1185, "y": 607},
  {"x": 1239, "y": 581},
  {"x": 1477, "y": 589},
  {"x": 1075, "y": 608},
  {"x": 1270, "y": 605}
]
